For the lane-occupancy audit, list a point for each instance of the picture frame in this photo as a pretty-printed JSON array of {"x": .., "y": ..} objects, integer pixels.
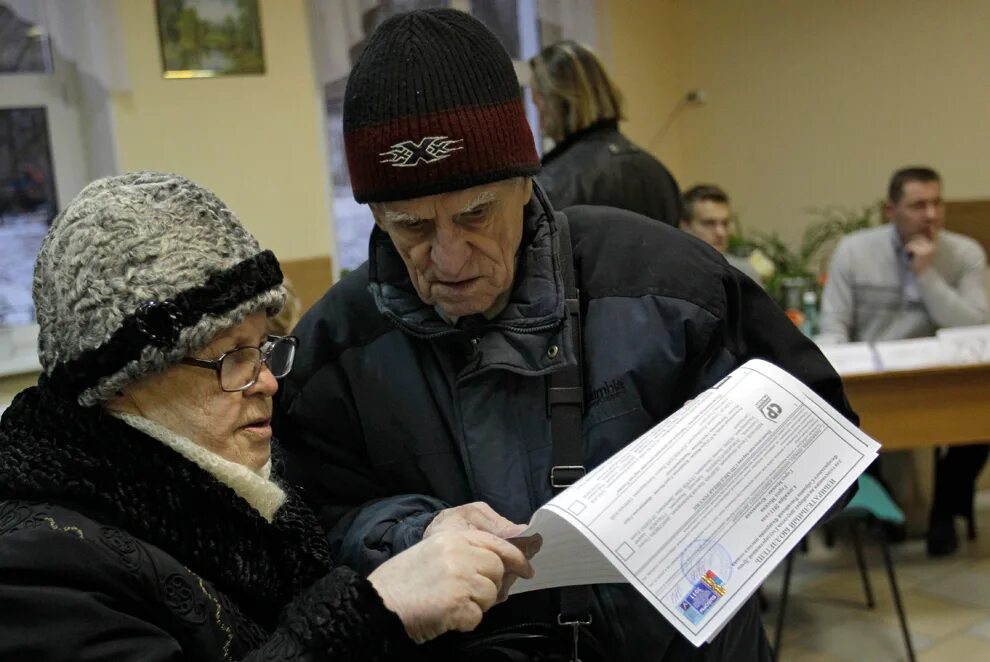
[{"x": 208, "y": 38}]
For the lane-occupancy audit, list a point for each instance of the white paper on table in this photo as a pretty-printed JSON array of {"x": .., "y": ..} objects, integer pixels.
[
  {"x": 729, "y": 484},
  {"x": 965, "y": 344},
  {"x": 850, "y": 358},
  {"x": 908, "y": 354}
]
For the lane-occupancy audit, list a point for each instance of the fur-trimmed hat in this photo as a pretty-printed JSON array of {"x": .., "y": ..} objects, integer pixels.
[
  {"x": 433, "y": 105},
  {"x": 137, "y": 272}
]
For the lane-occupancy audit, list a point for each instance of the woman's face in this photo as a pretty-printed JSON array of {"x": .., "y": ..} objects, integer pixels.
[{"x": 188, "y": 400}]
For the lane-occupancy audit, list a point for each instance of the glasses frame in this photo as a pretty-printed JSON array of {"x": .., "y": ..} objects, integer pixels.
[{"x": 216, "y": 365}]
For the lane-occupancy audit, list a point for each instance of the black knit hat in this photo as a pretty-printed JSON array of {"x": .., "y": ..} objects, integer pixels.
[{"x": 433, "y": 105}]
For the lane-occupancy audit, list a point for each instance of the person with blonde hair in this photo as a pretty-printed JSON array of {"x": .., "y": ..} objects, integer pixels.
[{"x": 592, "y": 162}]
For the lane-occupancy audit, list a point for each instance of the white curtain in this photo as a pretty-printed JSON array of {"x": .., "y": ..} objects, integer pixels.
[
  {"x": 84, "y": 32},
  {"x": 338, "y": 27}
]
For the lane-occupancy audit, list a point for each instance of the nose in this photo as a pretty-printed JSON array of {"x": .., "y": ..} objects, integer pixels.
[
  {"x": 449, "y": 253},
  {"x": 266, "y": 384}
]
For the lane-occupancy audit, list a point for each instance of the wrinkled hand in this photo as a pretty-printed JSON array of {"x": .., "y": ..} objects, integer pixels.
[
  {"x": 481, "y": 517},
  {"x": 447, "y": 581},
  {"x": 478, "y": 515},
  {"x": 922, "y": 252}
]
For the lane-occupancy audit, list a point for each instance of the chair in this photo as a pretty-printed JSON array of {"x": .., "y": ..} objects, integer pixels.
[{"x": 872, "y": 507}]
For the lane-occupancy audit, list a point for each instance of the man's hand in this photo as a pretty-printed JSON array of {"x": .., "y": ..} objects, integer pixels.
[
  {"x": 470, "y": 516},
  {"x": 479, "y": 516},
  {"x": 448, "y": 581},
  {"x": 921, "y": 251}
]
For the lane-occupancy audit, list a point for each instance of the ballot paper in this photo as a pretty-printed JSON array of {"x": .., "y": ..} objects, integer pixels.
[
  {"x": 697, "y": 512},
  {"x": 852, "y": 358},
  {"x": 965, "y": 344},
  {"x": 910, "y": 354}
]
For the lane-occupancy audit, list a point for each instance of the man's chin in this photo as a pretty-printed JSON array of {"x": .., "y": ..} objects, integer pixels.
[{"x": 460, "y": 309}]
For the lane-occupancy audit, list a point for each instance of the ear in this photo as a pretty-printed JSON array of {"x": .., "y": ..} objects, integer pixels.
[
  {"x": 122, "y": 403},
  {"x": 528, "y": 184},
  {"x": 888, "y": 209},
  {"x": 375, "y": 208}
]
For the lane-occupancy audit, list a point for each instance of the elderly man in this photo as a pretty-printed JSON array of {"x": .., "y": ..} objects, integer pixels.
[
  {"x": 436, "y": 384},
  {"x": 706, "y": 214},
  {"x": 907, "y": 279}
]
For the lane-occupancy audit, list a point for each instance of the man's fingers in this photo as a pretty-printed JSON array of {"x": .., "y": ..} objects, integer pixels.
[
  {"x": 529, "y": 545},
  {"x": 467, "y": 617},
  {"x": 512, "y": 557},
  {"x": 483, "y": 517}
]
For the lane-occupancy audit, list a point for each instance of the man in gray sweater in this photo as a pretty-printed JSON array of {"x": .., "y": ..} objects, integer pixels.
[{"x": 907, "y": 279}]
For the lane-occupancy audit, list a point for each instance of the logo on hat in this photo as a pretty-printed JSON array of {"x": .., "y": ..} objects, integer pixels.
[{"x": 408, "y": 153}]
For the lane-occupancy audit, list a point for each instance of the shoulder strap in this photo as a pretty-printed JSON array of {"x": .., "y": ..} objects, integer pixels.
[
  {"x": 565, "y": 408},
  {"x": 565, "y": 388}
]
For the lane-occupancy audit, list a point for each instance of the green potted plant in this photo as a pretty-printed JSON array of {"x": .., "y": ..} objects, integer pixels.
[{"x": 795, "y": 270}]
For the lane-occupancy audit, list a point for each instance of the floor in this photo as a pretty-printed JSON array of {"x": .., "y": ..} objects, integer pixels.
[{"x": 947, "y": 602}]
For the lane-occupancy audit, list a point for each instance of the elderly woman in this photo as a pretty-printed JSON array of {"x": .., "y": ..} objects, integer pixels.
[
  {"x": 591, "y": 162},
  {"x": 139, "y": 518}
]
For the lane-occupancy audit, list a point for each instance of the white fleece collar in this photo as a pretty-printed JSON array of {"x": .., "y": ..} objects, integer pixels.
[{"x": 257, "y": 489}]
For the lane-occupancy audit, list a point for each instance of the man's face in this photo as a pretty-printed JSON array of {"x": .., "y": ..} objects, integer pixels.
[
  {"x": 710, "y": 221},
  {"x": 459, "y": 247},
  {"x": 919, "y": 213}
]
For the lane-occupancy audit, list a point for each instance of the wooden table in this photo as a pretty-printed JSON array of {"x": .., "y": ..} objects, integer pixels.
[{"x": 907, "y": 409}]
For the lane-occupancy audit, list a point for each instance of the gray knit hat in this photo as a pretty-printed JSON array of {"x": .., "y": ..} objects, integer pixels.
[{"x": 137, "y": 272}]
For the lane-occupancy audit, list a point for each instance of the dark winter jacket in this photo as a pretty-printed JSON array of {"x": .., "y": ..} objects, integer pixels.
[
  {"x": 600, "y": 166},
  {"x": 394, "y": 415},
  {"x": 114, "y": 547}
]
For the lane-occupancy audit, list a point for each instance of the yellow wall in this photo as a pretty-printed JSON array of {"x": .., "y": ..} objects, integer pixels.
[
  {"x": 12, "y": 385},
  {"x": 812, "y": 103},
  {"x": 637, "y": 39},
  {"x": 256, "y": 141}
]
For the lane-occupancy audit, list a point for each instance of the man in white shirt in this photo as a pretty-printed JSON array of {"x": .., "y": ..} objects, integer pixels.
[
  {"x": 706, "y": 214},
  {"x": 907, "y": 279}
]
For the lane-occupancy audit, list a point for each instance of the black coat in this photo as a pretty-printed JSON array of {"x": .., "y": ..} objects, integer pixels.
[
  {"x": 394, "y": 415},
  {"x": 600, "y": 166},
  {"x": 114, "y": 547}
]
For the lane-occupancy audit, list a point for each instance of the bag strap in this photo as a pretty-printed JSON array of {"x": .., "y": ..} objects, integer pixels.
[
  {"x": 565, "y": 408},
  {"x": 565, "y": 387}
]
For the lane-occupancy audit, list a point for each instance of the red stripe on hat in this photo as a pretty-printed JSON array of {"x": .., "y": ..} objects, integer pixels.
[{"x": 419, "y": 155}]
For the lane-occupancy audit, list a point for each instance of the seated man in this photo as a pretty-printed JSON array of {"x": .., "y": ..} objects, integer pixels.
[
  {"x": 907, "y": 279},
  {"x": 423, "y": 377},
  {"x": 706, "y": 214}
]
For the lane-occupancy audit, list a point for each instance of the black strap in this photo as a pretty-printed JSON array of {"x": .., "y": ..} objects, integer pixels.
[
  {"x": 565, "y": 387},
  {"x": 565, "y": 408}
]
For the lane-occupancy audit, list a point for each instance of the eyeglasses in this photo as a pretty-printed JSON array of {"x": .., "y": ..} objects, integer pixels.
[{"x": 238, "y": 369}]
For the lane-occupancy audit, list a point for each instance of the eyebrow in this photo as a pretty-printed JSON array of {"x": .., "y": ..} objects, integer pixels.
[{"x": 483, "y": 198}]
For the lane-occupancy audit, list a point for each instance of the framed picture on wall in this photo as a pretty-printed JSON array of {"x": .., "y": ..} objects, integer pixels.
[{"x": 206, "y": 38}]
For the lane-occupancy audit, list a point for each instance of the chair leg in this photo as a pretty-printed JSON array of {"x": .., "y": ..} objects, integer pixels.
[
  {"x": 778, "y": 635},
  {"x": 861, "y": 562},
  {"x": 897, "y": 598},
  {"x": 829, "y": 531}
]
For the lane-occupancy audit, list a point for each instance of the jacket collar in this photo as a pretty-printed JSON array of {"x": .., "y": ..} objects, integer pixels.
[
  {"x": 517, "y": 338},
  {"x": 53, "y": 450},
  {"x": 609, "y": 126}
]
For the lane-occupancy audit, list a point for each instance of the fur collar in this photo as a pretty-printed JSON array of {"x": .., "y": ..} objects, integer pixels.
[
  {"x": 263, "y": 494},
  {"x": 51, "y": 449}
]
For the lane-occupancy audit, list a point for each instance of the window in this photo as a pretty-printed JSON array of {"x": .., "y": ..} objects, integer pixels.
[
  {"x": 27, "y": 206},
  {"x": 44, "y": 162}
]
